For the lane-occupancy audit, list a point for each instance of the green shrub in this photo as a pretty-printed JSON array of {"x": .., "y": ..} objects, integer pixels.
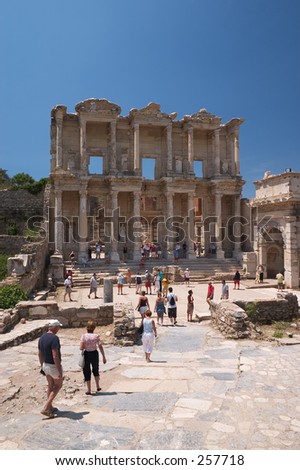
[
  {"x": 252, "y": 312},
  {"x": 11, "y": 295},
  {"x": 3, "y": 266},
  {"x": 278, "y": 334}
]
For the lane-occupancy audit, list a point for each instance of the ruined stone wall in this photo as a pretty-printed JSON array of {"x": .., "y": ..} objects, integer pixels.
[
  {"x": 43, "y": 310},
  {"x": 230, "y": 319},
  {"x": 267, "y": 311},
  {"x": 11, "y": 244},
  {"x": 16, "y": 207}
]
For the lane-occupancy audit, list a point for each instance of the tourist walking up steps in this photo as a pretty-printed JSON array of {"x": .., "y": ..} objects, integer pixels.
[
  {"x": 172, "y": 306},
  {"x": 68, "y": 288},
  {"x": 90, "y": 343},
  {"x": 149, "y": 334},
  {"x": 50, "y": 361},
  {"x": 159, "y": 308},
  {"x": 143, "y": 304}
]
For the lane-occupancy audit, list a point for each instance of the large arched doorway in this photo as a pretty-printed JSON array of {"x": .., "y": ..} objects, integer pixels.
[{"x": 275, "y": 253}]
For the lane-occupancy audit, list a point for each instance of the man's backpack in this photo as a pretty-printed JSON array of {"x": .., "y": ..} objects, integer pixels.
[{"x": 172, "y": 300}]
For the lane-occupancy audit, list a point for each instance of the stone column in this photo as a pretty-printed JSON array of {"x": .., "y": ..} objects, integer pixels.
[
  {"x": 136, "y": 146},
  {"x": 113, "y": 144},
  {"x": 217, "y": 151},
  {"x": 83, "y": 155},
  {"x": 191, "y": 231},
  {"x": 236, "y": 151},
  {"x": 190, "y": 149},
  {"x": 169, "y": 148},
  {"x": 237, "y": 232},
  {"x": 114, "y": 227},
  {"x": 83, "y": 256},
  {"x": 291, "y": 273},
  {"x": 170, "y": 210},
  {"x": 59, "y": 145},
  {"x": 137, "y": 215},
  {"x": 59, "y": 228},
  {"x": 218, "y": 212},
  {"x": 107, "y": 290}
]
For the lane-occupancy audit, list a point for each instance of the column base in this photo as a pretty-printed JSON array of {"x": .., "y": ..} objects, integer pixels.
[
  {"x": 220, "y": 254},
  {"x": 114, "y": 256}
]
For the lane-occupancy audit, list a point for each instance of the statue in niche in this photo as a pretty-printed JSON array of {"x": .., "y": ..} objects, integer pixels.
[{"x": 225, "y": 168}]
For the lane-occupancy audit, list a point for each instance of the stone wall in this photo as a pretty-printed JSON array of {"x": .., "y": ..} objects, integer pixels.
[
  {"x": 69, "y": 317},
  {"x": 230, "y": 319},
  {"x": 124, "y": 330},
  {"x": 11, "y": 244},
  {"x": 17, "y": 206},
  {"x": 284, "y": 308}
]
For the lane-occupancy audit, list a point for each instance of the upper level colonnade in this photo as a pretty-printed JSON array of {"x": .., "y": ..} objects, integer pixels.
[{"x": 97, "y": 129}]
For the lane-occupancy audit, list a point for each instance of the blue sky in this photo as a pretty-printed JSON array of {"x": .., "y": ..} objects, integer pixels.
[{"x": 236, "y": 58}]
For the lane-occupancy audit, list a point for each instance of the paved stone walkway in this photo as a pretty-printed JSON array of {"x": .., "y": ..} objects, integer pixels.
[{"x": 200, "y": 392}]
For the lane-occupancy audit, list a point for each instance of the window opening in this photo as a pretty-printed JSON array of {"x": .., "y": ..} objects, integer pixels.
[
  {"x": 96, "y": 165},
  {"x": 198, "y": 169},
  {"x": 148, "y": 168}
]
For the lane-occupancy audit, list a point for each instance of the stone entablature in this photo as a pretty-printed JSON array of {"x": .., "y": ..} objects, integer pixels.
[{"x": 277, "y": 188}]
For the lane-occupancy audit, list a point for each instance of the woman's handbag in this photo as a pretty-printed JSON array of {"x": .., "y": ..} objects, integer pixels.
[{"x": 81, "y": 361}]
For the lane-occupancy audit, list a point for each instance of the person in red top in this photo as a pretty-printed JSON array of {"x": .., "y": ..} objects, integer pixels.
[{"x": 210, "y": 292}]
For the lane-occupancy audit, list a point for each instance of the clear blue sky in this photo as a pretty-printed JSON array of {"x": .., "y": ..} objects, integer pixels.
[{"x": 236, "y": 58}]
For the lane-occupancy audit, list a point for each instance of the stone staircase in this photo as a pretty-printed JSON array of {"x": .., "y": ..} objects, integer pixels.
[{"x": 201, "y": 269}]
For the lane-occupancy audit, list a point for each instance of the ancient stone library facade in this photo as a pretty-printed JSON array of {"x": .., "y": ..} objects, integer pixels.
[
  {"x": 145, "y": 177},
  {"x": 151, "y": 178}
]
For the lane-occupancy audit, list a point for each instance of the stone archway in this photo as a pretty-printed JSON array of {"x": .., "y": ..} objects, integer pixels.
[{"x": 275, "y": 260}]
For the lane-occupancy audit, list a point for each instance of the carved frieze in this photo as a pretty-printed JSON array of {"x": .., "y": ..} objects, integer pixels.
[
  {"x": 99, "y": 106},
  {"x": 151, "y": 113}
]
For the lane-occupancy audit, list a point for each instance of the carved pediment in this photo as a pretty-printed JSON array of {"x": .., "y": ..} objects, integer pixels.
[
  {"x": 203, "y": 116},
  {"x": 100, "y": 106},
  {"x": 152, "y": 111}
]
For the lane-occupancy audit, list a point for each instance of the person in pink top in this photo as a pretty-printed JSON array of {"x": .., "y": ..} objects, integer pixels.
[{"x": 90, "y": 343}]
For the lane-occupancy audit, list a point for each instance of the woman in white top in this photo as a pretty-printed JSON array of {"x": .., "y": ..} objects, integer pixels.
[
  {"x": 149, "y": 332},
  {"x": 90, "y": 343}
]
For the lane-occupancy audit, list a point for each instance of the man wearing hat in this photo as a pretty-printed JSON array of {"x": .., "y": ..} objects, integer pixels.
[{"x": 50, "y": 361}]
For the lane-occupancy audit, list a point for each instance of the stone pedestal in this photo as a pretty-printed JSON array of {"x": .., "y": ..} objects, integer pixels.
[
  {"x": 249, "y": 264},
  {"x": 107, "y": 290},
  {"x": 57, "y": 267}
]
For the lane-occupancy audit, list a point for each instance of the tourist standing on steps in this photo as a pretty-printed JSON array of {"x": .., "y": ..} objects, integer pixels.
[
  {"x": 68, "y": 288},
  {"x": 236, "y": 280},
  {"x": 190, "y": 306},
  {"x": 90, "y": 343},
  {"x": 93, "y": 286},
  {"x": 225, "y": 290},
  {"x": 50, "y": 361},
  {"x": 149, "y": 333},
  {"x": 210, "y": 293},
  {"x": 171, "y": 300},
  {"x": 143, "y": 304},
  {"x": 159, "y": 308}
]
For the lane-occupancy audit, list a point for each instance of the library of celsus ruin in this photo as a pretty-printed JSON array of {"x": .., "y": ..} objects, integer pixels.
[{"x": 143, "y": 178}]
